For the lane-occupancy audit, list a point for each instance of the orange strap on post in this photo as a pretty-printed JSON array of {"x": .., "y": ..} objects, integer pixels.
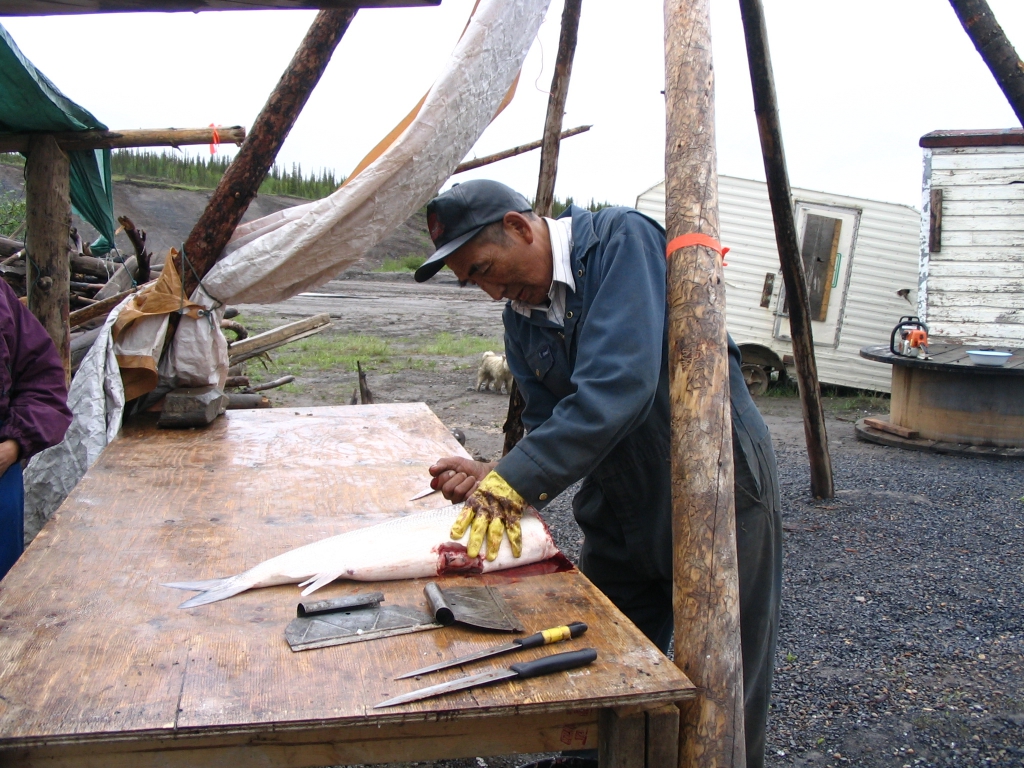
[
  {"x": 216, "y": 139},
  {"x": 696, "y": 238}
]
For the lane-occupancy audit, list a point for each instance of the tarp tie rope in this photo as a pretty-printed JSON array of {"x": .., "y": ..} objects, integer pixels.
[
  {"x": 207, "y": 313},
  {"x": 696, "y": 238}
]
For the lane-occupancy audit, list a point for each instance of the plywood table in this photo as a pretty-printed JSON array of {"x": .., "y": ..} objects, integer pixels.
[{"x": 99, "y": 667}]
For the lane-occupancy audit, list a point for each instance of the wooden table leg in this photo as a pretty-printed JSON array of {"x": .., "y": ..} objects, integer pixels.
[
  {"x": 662, "y": 737},
  {"x": 622, "y": 738}
]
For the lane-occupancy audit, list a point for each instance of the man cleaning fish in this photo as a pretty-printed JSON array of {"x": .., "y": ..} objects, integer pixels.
[{"x": 586, "y": 339}]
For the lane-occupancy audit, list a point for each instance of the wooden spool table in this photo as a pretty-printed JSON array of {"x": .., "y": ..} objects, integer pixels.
[
  {"x": 948, "y": 404},
  {"x": 99, "y": 668}
]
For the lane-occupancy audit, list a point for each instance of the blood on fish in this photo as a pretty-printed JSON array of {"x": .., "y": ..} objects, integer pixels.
[
  {"x": 452, "y": 558},
  {"x": 558, "y": 563}
]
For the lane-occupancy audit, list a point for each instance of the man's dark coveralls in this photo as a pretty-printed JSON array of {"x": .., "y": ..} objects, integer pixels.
[{"x": 597, "y": 407}]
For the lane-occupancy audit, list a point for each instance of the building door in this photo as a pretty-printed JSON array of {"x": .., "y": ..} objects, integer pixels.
[{"x": 827, "y": 237}]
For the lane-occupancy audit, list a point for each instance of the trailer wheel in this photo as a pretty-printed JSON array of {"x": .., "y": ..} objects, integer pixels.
[{"x": 756, "y": 378}]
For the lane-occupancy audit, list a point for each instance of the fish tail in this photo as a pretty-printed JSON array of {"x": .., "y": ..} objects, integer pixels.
[{"x": 210, "y": 591}]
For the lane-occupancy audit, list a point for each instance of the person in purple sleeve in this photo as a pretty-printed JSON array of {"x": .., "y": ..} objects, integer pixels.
[{"x": 34, "y": 413}]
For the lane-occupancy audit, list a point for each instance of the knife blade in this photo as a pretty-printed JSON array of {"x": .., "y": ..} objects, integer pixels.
[
  {"x": 423, "y": 494},
  {"x": 546, "y": 637},
  {"x": 557, "y": 662}
]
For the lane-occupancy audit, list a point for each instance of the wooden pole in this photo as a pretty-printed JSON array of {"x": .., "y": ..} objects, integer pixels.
[
  {"x": 242, "y": 179},
  {"x": 48, "y": 216},
  {"x": 164, "y": 137},
  {"x": 995, "y": 48},
  {"x": 768, "y": 126},
  {"x": 705, "y": 581},
  {"x": 556, "y": 108},
  {"x": 469, "y": 165}
]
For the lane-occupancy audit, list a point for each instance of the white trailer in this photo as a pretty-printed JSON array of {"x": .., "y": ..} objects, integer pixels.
[
  {"x": 972, "y": 237},
  {"x": 861, "y": 259}
]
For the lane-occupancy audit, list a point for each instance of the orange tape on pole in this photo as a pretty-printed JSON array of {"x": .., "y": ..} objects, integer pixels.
[{"x": 696, "y": 238}]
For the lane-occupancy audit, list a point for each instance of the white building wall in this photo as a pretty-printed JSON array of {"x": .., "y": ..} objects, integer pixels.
[
  {"x": 974, "y": 285},
  {"x": 883, "y": 260}
]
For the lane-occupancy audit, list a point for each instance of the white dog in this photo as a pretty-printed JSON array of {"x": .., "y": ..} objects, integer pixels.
[{"x": 493, "y": 370}]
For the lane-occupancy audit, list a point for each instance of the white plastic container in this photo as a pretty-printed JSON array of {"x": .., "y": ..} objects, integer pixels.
[{"x": 989, "y": 357}]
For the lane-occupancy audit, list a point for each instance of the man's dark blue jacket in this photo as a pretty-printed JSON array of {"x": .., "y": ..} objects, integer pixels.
[{"x": 596, "y": 390}]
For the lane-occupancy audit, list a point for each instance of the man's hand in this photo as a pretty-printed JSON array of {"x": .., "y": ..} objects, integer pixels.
[
  {"x": 494, "y": 509},
  {"x": 9, "y": 452},
  {"x": 456, "y": 477}
]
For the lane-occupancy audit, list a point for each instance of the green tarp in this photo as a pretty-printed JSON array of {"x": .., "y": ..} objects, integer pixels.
[{"x": 30, "y": 102}]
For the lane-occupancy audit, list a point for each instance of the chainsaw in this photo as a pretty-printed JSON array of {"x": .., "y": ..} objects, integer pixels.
[{"x": 909, "y": 338}]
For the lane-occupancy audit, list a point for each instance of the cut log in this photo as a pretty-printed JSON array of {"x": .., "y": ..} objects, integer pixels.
[
  {"x": 236, "y": 328},
  {"x": 892, "y": 429},
  {"x": 138, "y": 240},
  {"x": 121, "y": 280},
  {"x": 243, "y": 177},
  {"x": 995, "y": 48},
  {"x": 270, "y": 385},
  {"x": 48, "y": 213},
  {"x": 90, "y": 265},
  {"x": 167, "y": 137},
  {"x": 793, "y": 275},
  {"x": 365, "y": 396},
  {"x": 513, "y": 426},
  {"x": 705, "y": 592},
  {"x": 9, "y": 246},
  {"x": 478, "y": 162},
  {"x": 264, "y": 342},
  {"x": 237, "y": 400},
  {"x": 99, "y": 309},
  {"x": 556, "y": 107},
  {"x": 191, "y": 407}
]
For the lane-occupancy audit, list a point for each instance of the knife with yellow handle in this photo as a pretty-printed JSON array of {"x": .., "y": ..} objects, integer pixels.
[{"x": 547, "y": 637}]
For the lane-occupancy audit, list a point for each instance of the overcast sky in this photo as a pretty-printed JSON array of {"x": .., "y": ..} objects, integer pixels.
[{"x": 859, "y": 82}]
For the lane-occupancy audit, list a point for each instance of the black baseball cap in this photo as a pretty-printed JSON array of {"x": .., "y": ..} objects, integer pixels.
[{"x": 456, "y": 216}]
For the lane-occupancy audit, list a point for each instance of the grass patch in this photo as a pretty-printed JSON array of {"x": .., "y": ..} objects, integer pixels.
[
  {"x": 449, "y": 345},
  {"x": 339, "y": 352},
  {"x": 405, "y": 264},
  {"x": 323, "y": 353}
]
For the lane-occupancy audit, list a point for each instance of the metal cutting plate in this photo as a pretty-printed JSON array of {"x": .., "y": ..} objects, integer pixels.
[{"x": 355, "y": 626}]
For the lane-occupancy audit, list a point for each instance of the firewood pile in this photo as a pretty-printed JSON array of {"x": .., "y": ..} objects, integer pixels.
[{"x": 99, "y": 284}]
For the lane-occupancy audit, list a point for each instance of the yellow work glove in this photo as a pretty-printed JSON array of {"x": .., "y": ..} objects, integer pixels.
[{"x": 494, "y": 509}]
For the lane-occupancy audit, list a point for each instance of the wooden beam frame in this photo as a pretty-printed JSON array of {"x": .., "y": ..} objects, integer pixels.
[
  {"x": 160, "y": 137},
  {"x": 779, "y": 193},
  {"x": 556, "y": 108},
  {"x": 705, "y": 591},
  {"x": 65, "y": 7},
  {"x": 478, "y": 162}
]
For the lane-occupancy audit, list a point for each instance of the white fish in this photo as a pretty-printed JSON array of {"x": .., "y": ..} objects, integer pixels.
[{"x": 410, "y": 547}]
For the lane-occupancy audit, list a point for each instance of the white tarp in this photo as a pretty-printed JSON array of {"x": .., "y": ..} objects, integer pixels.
[{"x": 295, "y": 250}]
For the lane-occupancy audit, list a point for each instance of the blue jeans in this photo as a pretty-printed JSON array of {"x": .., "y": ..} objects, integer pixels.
[{"x": 12, "y": 517}]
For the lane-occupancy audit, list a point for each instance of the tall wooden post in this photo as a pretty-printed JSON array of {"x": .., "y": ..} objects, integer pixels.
[
  {"x": 767, "y": 111},
  {"x": 242, "y": 180},
  {"x": 706, "y": 586},
  {"x": 995, "y": 48},
  {"x": 556, "y": 108},
  {"x": 48, "y": 227}
]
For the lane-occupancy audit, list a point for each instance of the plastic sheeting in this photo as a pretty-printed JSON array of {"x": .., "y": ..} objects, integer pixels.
[
  {"x": 30, "y": 102},
  {"x": 276, "y": 257},
  {"x": 96, "y": 399}
]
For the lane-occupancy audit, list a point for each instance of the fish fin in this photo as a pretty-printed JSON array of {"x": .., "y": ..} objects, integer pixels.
[
  {"x": 197, "y": 586},
  {"x": 322, "y": 579},
  {"x": 307, "y": 582},
  {"x": 221, "y": 591}
]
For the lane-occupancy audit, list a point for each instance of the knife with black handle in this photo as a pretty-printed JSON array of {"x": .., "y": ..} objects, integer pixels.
[{"x": 547, "y": 665}]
